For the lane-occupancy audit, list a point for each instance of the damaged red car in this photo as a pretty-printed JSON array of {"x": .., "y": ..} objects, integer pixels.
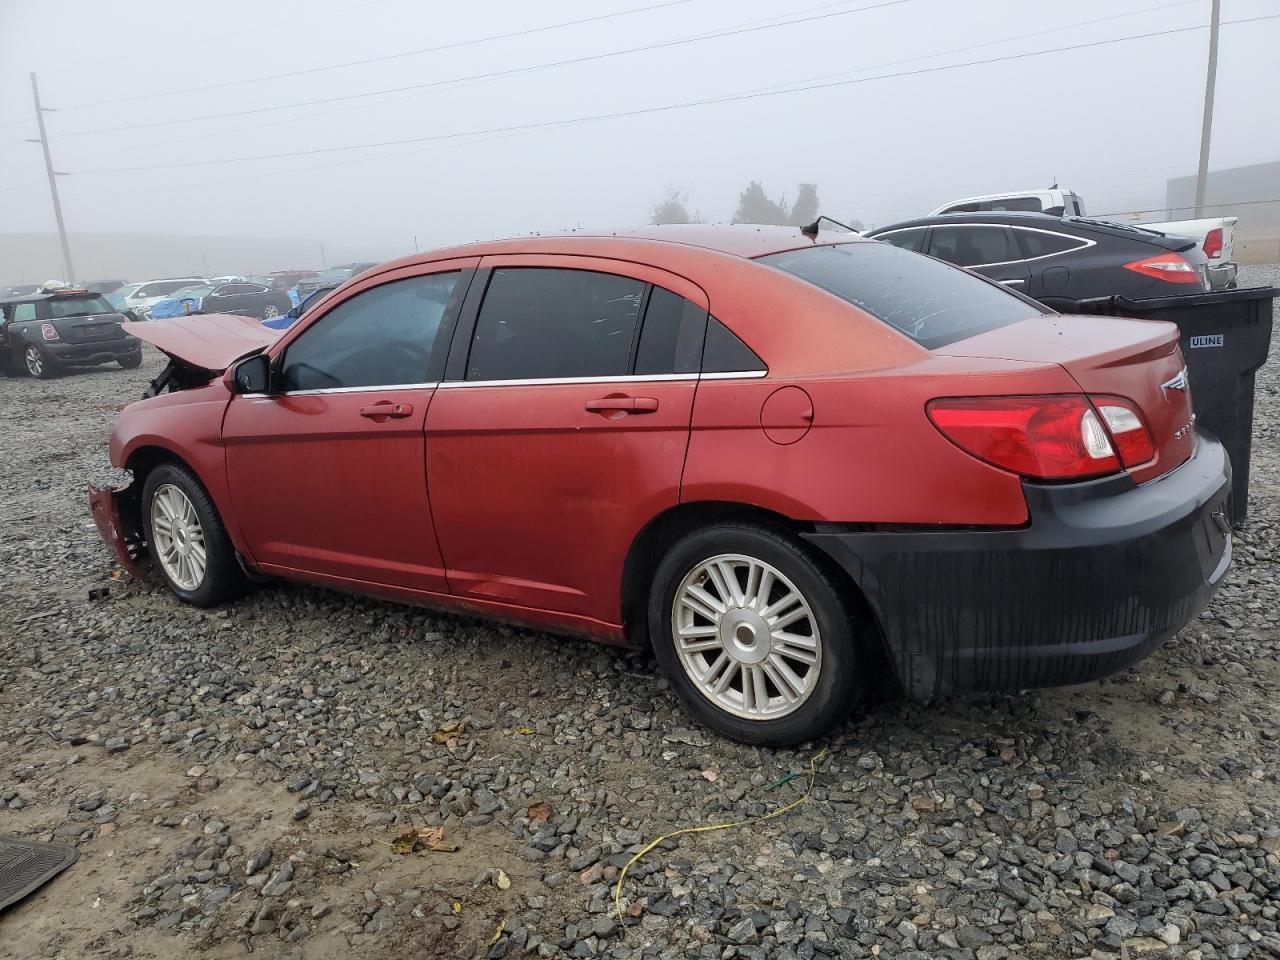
[{"x": 780, "y": 459}]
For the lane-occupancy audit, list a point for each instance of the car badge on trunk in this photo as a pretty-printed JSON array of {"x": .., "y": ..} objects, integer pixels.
[{"x": 1177, "y": 382}]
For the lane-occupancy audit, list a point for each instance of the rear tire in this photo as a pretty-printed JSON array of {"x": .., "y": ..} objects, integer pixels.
[
  {"x": 38, "y": 363},
  {"x": 773, "y": 657},
  {"x": 186, "y": 539},
  {"x": 132, "y": 362}
]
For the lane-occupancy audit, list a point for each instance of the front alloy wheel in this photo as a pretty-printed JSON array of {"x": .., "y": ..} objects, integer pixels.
[
  {"x": 178, "y": 537},
  {"x": 188, "y": 543},
  {"x": 746, "y": 637},
  {"x": 756, "y": 633},
  {"x": 271, "y": 311}
]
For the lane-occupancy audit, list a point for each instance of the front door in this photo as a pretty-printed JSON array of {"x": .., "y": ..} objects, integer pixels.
[
  {"x": 563, "y": 428},
  {"x": 328, "y": 471}
]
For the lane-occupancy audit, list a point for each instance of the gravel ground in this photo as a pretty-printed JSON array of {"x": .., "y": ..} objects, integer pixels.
[{"x": 234, "y": 779}]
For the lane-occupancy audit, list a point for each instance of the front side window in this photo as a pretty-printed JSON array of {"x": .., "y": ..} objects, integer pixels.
[
  {"x": 971, "y": 245},
  {"x": 546, "y": 323},
  {"x": 912, "y": 239},
  {"x": 381, "y": 337},
  {"x": 929, "y": 301}
]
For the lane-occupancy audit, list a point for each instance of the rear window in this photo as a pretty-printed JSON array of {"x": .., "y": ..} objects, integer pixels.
[
  {"x": 931, "y": 302},
  {"x": 60, "y": 307}
]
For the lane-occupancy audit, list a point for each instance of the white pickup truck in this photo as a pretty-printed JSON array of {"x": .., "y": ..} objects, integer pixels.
[{"x": 1216, "y": 235}]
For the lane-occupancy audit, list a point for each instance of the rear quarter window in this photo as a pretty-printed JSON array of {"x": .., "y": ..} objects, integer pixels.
[{"x": 931, "y": 302}]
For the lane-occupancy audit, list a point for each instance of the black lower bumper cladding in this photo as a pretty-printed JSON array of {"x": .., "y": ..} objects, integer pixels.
[{"x": 1104, "y": 572}]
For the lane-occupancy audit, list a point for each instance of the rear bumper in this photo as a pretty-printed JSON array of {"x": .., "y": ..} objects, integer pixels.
[
  {"x": 1104, "y": 572},
  {"x": 105, "y": 351},
  {"x": 1222, "y": 275},
  {"x": 110, "y": 508}
]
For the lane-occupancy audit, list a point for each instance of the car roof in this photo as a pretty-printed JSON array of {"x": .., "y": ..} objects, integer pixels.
[
  {"x": 52, "y": 295},
  {"x": 745, "y": 241},
  {"x": 1044, "y": 221}
]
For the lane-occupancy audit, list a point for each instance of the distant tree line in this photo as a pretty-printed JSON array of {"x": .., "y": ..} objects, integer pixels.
[{"x": 754, "y": 206}]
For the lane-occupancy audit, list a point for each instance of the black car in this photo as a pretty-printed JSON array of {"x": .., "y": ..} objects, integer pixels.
[
  {"x": 242, "y": 298},
  {"x": 44, "y": 332},
  {"x": 1057, "y": 260}
]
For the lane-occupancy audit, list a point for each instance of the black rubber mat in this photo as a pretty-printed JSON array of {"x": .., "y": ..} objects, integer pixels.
[{"x": 27, "y": 866}]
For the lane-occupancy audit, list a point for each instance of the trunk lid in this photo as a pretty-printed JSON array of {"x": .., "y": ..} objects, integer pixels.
[
  {"x": 1138, "y": 360},
  {"x": 210, "y": 341},
  {"x": 92, "y": 329}
]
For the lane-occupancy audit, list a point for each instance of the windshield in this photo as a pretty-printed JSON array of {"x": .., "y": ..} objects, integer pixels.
[
  {"x": 333, "y": 275},
  {"x": 932, "y": 302},
  {"x": 86, "y": 306},
  {"x": 193, "y": 292}
]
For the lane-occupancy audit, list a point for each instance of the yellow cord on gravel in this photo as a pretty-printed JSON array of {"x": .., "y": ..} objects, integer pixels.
[{"x": 787, "y": 808}]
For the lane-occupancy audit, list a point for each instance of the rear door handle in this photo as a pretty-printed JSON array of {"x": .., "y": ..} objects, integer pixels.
[
  {"x": 387, "y": 410},
  {"x": 623, "y": 405},
  {"x": 1010, "y": 283}
]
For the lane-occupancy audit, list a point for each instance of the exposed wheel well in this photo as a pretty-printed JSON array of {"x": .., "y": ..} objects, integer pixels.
[
  {"x": 140, "y": 463},
  {"x": 664, "y": 530}
]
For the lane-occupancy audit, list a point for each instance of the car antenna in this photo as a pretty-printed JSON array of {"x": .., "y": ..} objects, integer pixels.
[{"x": 811, "y": 230}]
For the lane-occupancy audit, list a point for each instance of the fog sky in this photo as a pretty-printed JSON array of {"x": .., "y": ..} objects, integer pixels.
[{"x": 1112, "y": 122}]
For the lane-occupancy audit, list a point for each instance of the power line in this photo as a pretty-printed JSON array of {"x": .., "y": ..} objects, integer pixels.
[
  {"x": 664, "y": 108},
  {"x": 19, "y": 186},
  {"x": 275, "y": 124},
  {"x": 752, "y": 27},
  {"x": 382, "y": 59}
]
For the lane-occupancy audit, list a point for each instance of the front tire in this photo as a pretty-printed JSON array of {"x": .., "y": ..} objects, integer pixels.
[
  {"x": 754, "y": 635},
  {"x": 131, "y": 362},
  {"x": 38, "y": 363},
  {"x": 186, "y": 539}
]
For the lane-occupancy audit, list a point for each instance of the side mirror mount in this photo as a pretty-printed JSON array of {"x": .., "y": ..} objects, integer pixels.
[
  {"x": 294, "y": 312},
  {"x": 131, "y": 316},
  {"x": 253, "y": 374}
]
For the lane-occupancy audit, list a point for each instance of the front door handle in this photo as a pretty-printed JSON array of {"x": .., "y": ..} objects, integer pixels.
[
  {"x": 623, "y": 405},
  {"x": 1012, "y": 282},
  {"x": 387, "y": 410}
]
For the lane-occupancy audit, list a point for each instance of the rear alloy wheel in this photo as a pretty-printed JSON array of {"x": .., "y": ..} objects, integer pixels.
[
  {"x": 186, "y": 539},
  {"x": 270, "y": 312},
  {"x": 38, "y": 363},
  {"x": 754, "y": 635}
]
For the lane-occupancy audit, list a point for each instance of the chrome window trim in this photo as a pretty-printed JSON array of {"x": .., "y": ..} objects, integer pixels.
[
  {"x": 457, "y": 384},
  {"x": 327, "y": 390},
  {"x": 1083, "y": 244}
]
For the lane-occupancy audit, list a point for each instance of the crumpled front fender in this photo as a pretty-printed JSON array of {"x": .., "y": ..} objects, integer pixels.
[{"x": 116, "y": 512}]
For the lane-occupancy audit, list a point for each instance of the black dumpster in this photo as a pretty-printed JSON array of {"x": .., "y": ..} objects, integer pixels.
[{"x": 1225, "y": 339}]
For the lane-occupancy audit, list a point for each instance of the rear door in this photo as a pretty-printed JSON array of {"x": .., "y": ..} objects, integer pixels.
[
  {"x": 988, "y": 249},
  {"x": 328, "y": 471},
  {"x": 561, "y": 427}
]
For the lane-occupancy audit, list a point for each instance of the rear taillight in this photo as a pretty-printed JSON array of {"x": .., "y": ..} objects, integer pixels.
[
  {"x": 49, "y": 331},
  {"x": 1213, "y": 243},
  {"x": 1168, "y": 267},
  {"x": 1129, "y": 435},
  {"x": 1049, "y": 438},
  {"x": 1057, "y": 437}
]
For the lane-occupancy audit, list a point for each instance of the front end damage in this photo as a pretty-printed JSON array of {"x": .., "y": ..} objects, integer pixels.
[{"x": 116, "y": 512}]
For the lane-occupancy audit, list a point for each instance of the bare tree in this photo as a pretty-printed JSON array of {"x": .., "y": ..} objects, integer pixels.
[{"x": 671, "y": 209}]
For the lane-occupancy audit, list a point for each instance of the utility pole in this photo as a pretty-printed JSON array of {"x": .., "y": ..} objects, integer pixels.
[
  {"x": 1206, "y": 126},
  {"x": 69, "y": 274}
]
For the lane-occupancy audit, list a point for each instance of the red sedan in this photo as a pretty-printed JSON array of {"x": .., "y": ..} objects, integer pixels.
[{"x": 771, "y": 456}]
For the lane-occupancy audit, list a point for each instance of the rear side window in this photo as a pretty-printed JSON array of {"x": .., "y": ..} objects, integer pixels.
[
  {"x": 544, "y": 323},
  {"x": 671, "y": 337},
  {"x": 929, "y": 301},
  {"x": 380, "y": 337},
  {"x": 1037, "y": 243},
  {"x": 23, "y": 312},
  {"x": 973, "y": 245},
  {"x": 725, "y": 353},
  {"x": 1027, "y": 204},
  {"x": 912, "y": 239}
]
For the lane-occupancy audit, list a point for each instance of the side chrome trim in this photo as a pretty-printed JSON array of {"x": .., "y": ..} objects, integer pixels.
[
  {"x": 458, "y": 384},
  {"x": 327, "y": 390}
]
